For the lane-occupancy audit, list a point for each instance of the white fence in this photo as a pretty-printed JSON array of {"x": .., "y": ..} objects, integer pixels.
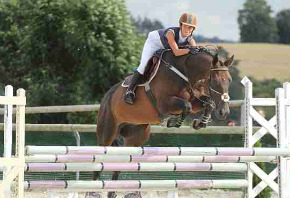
[
  {"x": 279, "y": 128},
  {"x": 13, "y": 165}
]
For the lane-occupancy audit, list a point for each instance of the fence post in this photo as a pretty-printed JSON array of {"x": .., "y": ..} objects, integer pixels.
[
  {"x": 248, "y": 129},
  {"x": 286, "y": 88},
  {"x": 8, "y": 134},
  {"x": 20, "y": 144}
]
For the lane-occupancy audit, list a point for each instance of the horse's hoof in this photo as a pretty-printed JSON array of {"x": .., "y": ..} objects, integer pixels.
[
  {"x": 93, "y": 195},
  {"x": 195, "y": 125},
  {"x": 112, "y": 195},
  {"x": 133, "y": 195},
  {"x": 178, "y": 125},
  {"x": 171, "y": 124},
  {"x": 203, "y": 125}
]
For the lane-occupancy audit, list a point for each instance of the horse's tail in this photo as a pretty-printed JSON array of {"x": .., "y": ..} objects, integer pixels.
[{"x": 105, "y": 115}]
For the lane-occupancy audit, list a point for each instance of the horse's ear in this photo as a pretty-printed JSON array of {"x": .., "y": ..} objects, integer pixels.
[
  {"x": 215, "y": 60},
  {"x": 230, "y": 61}
]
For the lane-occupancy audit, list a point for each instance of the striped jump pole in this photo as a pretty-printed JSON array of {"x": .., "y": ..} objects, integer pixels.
[
  {"x": 135, "y": 167},
  {"x": 72, "y": 158},
  {"x": 174, "y": 151},
  {"x": 134, "y": 185}
]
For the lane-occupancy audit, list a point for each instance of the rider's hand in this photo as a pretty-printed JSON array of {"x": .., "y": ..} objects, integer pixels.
[{"x": 193, "y": 50}]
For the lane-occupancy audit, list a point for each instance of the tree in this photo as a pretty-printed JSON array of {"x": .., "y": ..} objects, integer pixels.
[
  {"x": 283, "y": 24},
  {"x": 66, "y": 51},
  {"x": 12, "y": 69},
  {"x": 256, "y": 23},
  {"x": 202, "y": 39}
]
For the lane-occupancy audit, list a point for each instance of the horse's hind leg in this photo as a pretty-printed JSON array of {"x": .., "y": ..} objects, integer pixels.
[
  {"x": 106, "y": 131},
  {"x": 106, "y": 128},
  {"x": 135, "y": 135}
]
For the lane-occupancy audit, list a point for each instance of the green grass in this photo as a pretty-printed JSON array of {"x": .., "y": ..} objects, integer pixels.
[{"x": 261, "y": 60}]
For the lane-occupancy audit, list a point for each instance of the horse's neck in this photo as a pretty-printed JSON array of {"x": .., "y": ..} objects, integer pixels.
[
  {"x": 166, "y": 76},
  {"x": 177, "y": 61},
  {"x": 198, "y": 67}
]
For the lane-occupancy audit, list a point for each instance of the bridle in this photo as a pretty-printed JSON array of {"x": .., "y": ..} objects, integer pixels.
[{"x": 224, "y": 96}]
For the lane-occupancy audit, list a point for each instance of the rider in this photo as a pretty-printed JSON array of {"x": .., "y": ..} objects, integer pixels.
[{"x": 170, "y": 38}]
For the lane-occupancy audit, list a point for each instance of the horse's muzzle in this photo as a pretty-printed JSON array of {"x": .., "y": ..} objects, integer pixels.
[{"x": 222, "y": 111}]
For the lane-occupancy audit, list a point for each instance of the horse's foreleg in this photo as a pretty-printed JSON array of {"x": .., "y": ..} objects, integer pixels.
[
  {"x": 206, "y": 116},
  {"x": 175, "y": 105},
  {"x": 179, "y": 107}
]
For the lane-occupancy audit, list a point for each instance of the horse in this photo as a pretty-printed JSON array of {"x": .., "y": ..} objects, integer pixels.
[{"x": 182, "y": 85}]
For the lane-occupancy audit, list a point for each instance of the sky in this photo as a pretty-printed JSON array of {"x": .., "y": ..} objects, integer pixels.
[{"x": 215, "y": 17}]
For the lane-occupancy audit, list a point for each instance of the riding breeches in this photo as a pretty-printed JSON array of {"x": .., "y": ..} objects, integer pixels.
[{"x": 152, "y": 44}]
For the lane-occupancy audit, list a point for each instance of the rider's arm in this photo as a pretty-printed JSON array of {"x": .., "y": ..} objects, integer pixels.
[
  {"x": 192, "y": 42},
  {"x": 173, "y": 45}
]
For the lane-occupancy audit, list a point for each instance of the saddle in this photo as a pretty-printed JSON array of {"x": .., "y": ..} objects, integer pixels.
[{"x": 150, "y": 71}]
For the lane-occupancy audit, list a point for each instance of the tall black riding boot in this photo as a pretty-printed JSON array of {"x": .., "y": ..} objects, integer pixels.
[{"x": 130, "y": 92}]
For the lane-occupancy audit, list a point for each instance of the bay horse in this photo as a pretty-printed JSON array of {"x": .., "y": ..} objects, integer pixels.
[{"x": 201, "y": 83}]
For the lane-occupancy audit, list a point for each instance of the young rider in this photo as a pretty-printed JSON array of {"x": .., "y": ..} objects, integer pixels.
[{"x": 170, "y": 38}]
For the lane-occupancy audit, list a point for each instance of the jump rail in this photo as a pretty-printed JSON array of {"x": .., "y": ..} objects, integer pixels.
[
  {"x": 133, "y": 185},
  {"x": 175, "y": 151},
  {"x": 74, "y": 158}
]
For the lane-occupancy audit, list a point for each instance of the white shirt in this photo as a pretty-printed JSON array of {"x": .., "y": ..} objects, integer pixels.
[{"x": 181, "y": 39}]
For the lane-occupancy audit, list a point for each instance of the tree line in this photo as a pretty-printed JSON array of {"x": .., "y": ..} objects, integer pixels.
[{"x": 258, "y": 25}]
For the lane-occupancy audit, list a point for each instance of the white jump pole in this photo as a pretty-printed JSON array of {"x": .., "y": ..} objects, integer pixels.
[
  {"x": 286, "y": 87},
  {"x": 282, "y": 112},
  {"x": 20, "y": 143},
  {"x": 248, "y": 128},
  {"x": 281, "y": 143},
  {"x": 8, "y": 134}
]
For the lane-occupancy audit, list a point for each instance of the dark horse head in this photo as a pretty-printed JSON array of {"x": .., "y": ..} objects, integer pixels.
[
  {"x": 216, "y": 79},
  {"x": 219, "y": 82}
]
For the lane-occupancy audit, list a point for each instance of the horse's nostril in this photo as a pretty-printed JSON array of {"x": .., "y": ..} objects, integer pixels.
[{"x": 223, "y": 113}]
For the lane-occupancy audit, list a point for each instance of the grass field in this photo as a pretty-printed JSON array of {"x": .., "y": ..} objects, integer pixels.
[{"x": 262, "y": 61}]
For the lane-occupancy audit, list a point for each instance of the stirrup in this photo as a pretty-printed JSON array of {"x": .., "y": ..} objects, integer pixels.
[
  {"x": 129, "y": 97},
  {"x": 130, "y": 92}
]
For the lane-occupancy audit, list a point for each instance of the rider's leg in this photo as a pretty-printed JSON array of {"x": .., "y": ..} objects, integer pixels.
[
  {"x": 130, "y": 92},
  {"x": 151, "y": 45}
]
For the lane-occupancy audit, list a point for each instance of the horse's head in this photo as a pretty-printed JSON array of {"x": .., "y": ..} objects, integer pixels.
[{"x": 219, "y": 82}]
